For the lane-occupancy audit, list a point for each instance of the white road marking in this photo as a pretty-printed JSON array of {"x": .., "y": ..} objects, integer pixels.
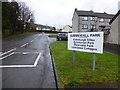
[
  {"x": 23, "y": 66},
  {"x": 31, "y": 40},
  {"x": 37, "y": 37},
  {"x": 7, "y": 56},
  {"x": 7, "y": 52},
  {"x": 38, "y": 57},
  {"x": 19, "y": 66},
  {"x": 24, "y": 45},
  {"x": 34, "y": 38},
  {"x": 26, "y": 52}
]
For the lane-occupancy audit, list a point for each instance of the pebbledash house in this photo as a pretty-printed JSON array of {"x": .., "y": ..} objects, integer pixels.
[{"x": 89, "y": 21}]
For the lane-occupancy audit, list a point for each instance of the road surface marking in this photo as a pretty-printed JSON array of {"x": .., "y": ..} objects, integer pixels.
[
  {"x": 7, "y": 56},
  {"x": 31, "y": 40},
  {"x": 24, "y": 45},
  {"x": 26, "y": 52},
  {"x": 23, "y": 66},
  {"x": 34, "y": 38},
  {"x": 14, "y": 66},
  {"x": 38, "y": 57},
  {"x": 7, "y": 52},
  {"x": 37, "y": 37}
]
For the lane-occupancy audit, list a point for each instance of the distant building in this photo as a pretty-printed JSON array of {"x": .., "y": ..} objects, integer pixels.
[
  {"x": 85, "y": 21},
  {"x": 67, "y": 29},
  {"x": 40, "y": 27}
]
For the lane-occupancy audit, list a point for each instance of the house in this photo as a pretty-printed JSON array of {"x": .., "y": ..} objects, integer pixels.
[
  {"x": 89, "y": 21},
  {"x": 85, "y": 21},
  {"x": 115, "y": 27},
  {"x": 114, "y": 32},
  {"x": 67, "y": 29},
  {"x": 40, "y": 27}
]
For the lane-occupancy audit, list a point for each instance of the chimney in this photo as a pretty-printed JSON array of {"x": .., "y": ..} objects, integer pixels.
[{"x": 75, "y": 9}]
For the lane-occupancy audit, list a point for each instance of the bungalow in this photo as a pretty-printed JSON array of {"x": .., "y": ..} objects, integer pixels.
[
  {"x": 40, "y": 27},
  {"x": 67, "y": 29}
]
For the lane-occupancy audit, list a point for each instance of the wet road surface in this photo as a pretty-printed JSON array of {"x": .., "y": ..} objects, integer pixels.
[{"x": 26, "y": 62}]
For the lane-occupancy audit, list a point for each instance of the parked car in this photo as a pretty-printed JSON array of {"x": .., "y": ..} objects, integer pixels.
[{"x": 62, "y": 36}]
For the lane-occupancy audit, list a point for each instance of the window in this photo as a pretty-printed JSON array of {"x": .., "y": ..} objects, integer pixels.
[
  {"x": 102, "y": 20},
  {"x": 92, "y": 18},
  {"x": 108, "y": 20},
  {"x": 84, "y": 26},
  {"x": 85, "y": 18},
  {"x": 93, "y": 26}
]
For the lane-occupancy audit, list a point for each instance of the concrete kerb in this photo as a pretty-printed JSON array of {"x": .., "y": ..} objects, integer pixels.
[{"x": 57, "y": 81}]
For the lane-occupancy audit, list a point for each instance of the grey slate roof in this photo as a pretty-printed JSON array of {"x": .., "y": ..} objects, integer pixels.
[
  {"x": 94, "y": 14},
  {"x": 85, "y": 13},
  {"x": 43, "y": 26},
  {"x": 104, "y": 15}
]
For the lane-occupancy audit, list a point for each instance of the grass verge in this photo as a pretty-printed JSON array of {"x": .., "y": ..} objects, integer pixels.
[
  {"x": 17, "y": 35},
  {"x": 81, "y": 73},
  {"x": 52, "y": 35}
]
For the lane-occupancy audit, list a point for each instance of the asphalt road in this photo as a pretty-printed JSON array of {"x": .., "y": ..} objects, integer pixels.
[{"x": 26, "y": 62}]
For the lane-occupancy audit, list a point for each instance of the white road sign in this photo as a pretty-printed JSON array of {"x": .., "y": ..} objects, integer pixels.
[{"x": 86, "y": 41}]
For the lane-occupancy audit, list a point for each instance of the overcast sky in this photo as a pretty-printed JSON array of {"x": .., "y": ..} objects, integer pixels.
[{"x": 59, "y": 13}]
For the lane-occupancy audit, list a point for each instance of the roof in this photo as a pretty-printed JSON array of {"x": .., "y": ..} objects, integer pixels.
[
  {"x": 69, "y": 26},
  {"x": 118, "y": 13},
  {"x": 104, "y": 15},
  {"x": 94, "y": 14},
  {"x": 43, "y": 26},
  {"x": 85, "y": 13}
]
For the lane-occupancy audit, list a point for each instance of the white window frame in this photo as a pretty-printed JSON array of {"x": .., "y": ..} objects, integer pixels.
[
  {"x": 92, "y": 18},
  {"x": 93, "y": 26},
  {"x": 84, "y": 26},
  {"x": 85, "y": 18},
  {"x": 108, "y": 20},
  {"x": 102, "y": 20}
]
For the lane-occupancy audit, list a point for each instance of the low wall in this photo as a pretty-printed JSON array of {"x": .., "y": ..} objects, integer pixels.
[{"x": 112, "y": 46}]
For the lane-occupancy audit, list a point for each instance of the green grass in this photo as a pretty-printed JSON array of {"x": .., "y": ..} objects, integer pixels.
[
  {"x": 17, "y": 35},
  {"x": 81, "y": 73},
  {"x": 52, "y": 35}
]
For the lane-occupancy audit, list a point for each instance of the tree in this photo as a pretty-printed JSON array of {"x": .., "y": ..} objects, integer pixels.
[
  {"x": 26, "y": 15},
  {"x": 54, "y": 28},
  {"x": 16, "y": 18},
  {"x": 5, "y": 18}
]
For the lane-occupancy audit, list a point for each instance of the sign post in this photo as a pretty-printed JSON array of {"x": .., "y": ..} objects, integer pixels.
[
  {"x": 94, "y": 61},
  {"x": 87, "y": 42},
  {"x": 73, "y": 57}
]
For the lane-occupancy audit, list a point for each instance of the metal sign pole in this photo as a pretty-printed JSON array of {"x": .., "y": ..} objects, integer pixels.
[
  {"x": 73, "y": 57},
  {"x": 94, "y": 60}
]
